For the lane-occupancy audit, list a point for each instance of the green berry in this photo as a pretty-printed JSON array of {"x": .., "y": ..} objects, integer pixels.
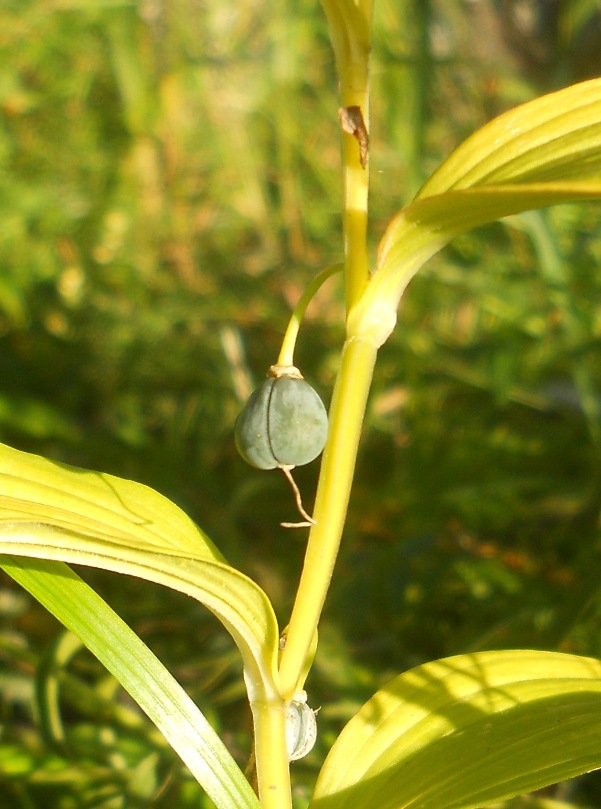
[{"x": 284, "y": 423}]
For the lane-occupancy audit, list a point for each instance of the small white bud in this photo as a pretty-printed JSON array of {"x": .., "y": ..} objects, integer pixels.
[{"x": 301, "y": 727}]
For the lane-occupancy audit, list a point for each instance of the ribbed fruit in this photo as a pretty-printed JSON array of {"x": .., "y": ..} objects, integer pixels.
[{"x": 284, "y": 423}]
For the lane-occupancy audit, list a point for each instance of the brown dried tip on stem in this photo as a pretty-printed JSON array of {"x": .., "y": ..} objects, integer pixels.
[
  {"x": 353, "y": 123},
  {"x": 308, "y": 521}
]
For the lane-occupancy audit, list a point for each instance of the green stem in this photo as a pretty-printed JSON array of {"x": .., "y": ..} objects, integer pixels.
[
  {"x": 354, "y": 91},
  {"x": 333, "y": 492},
  {"x": 271, "y": 755},
  {"x": 350, "y": 32},
  {"x": 355, "y": 225},
  {"x": 286, "y": 358}
]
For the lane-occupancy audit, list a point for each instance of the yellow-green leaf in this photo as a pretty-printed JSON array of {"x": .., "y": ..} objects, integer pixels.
[
  {"x": 554, "y": 138},
  {"x": 466, "y": 731},
  {"x": 423, "y": 228},
  {"x": 79, "y": 608},
  {"x": 541, "y": 153},
  {"x": 52, "y": 511}
]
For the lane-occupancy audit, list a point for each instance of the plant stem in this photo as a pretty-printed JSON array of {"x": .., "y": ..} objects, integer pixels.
[
  {"x": 355, "y": 187},
  {"x": 271, "y": 755},
  {"x": 286, "y": 357},
  {"x": 354, "y": 92},
  {"x": 350, "y": 32},
  {"x": 333, "y": 492}
]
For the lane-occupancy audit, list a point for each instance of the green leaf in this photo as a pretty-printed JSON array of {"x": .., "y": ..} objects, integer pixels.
[
  {"x": 79, "y": 608},
  {"x": 467, "y": 731},
  {"x": 554, "y": 138},
  {"x": 35, "y": 489},
  {"x": 51, "y": 511},
  {"x": 542, "y": 153}
]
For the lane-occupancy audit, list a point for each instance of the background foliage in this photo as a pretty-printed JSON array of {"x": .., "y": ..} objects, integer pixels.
[{"x": 168, "y": 186}]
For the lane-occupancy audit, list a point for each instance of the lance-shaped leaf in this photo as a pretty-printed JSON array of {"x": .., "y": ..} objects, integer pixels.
[
  {"x": 122, "y": 652},
  {"x": 554, "y": 138},
  {"x": 51, "y": 511},
  {"x": 466, "y": 731},
  {"x": 541, "y": 153}
]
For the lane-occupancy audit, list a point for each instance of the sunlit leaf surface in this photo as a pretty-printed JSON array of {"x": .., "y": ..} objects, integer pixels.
[
  {"x": 465, "y": 731},
  {"x": 542, "y": 153},
  {"x": 554, "y": 138},
  {"x": 52, "y": 511}
]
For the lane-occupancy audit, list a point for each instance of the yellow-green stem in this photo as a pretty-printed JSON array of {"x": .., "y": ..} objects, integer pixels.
[
  {"x": 350, "y": 31},
  {"x": 354, "y": 92},
  {"x": 333, "y": 492},
  {"x": 355, "y": 184},
  {"x": 286, "y": 357},
  {"x": 271, "y": 755}
]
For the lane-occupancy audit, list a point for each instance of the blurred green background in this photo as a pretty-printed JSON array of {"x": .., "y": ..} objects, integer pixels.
[{"x": 169, "y": 183}]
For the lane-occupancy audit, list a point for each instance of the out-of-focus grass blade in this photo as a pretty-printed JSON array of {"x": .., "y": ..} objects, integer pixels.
[{"x": 47, "y": 685}]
